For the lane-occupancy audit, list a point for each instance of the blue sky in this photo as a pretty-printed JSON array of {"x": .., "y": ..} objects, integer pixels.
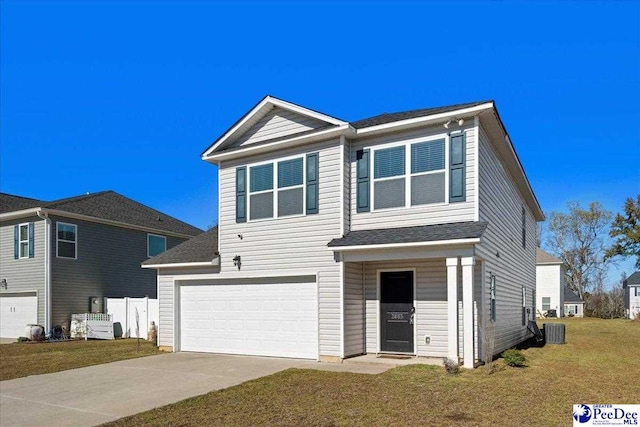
[{"x": 125, "y": 96}]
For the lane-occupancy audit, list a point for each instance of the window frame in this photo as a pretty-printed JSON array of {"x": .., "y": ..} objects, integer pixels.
[
  {"x": 149, "y": 240},
  {"x": 407, "y": 170},
  {"x": 21, "y": 241},
  {"x": 492, "y": 297},
  {"x": 58, "y": 240},
  {"x": 275, "y": 189}
]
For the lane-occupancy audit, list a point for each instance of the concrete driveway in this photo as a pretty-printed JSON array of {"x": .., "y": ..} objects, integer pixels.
[{"x": 97, "y": 394}]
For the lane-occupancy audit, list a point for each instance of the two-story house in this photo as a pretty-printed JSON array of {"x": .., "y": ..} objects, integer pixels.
[
  {"x": 632, "y": 295},
  {"x": 64, "y": 256},
  {"x": 409, "y": 233},
  {"x": 550, "y": 284}
]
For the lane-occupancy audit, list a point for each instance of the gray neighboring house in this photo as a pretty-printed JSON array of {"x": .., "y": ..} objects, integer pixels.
[
  {"x": 632, "y": 295},
  {"x": 56, "y": 255},
  {"x": 408, "y": 233}
]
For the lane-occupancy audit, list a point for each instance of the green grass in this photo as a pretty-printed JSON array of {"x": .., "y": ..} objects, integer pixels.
[
  {"x": 24, "y": 359},
  {"x": 599, "y": 364}
]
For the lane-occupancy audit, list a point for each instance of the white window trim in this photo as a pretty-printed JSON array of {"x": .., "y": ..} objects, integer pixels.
[
  {"x": 275, "y": 190},
  {"x": 75, "y": 227},
  {"x": 20, "y": 241},
  {"x": 155, "y": 235},
  {"x": 407, "y": 170}
]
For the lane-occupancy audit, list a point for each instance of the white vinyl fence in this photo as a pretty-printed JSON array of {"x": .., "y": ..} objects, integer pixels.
[
  {"x": 91, "y": 325},
  {"x": 124, "y": 311}
]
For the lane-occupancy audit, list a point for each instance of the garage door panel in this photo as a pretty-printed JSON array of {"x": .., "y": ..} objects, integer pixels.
[
  {"x": 253, "y": 319},
  {"x": 16, "y": 312}
]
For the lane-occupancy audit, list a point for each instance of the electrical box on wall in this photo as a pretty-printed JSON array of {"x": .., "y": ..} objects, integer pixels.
[
  {"x": 427, "y": 339},
  {"x": 95, "y": 305}
]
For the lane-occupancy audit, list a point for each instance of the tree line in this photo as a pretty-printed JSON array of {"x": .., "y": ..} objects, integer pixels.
[{"x": 588, "y": 241}]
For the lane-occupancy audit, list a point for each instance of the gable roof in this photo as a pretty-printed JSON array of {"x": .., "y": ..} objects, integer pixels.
[
  {"x": 543, "y": 257},
  {"x": 570, "y": 296},
  {"x": 105, "y": 205},
  {"x": 411, "y": 114},
  {"x": 11, "y": 203},
  {"x": 262, "y": 108},
  {"x": 403, "y": 235},
  {"x": 200, "y": 249},
  {"x": 633, "y": 280}
]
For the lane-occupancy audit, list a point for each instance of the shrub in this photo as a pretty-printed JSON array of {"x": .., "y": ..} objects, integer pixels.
[
  {"x": 571, "y": 314},
  {"x": 451, "y": 366},
  {"x": 514, "y": 357}
]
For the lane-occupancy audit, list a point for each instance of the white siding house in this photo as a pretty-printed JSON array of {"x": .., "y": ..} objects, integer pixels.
[
  {"x": 550, "y": 283},
  {"x": 632, "y": 295},
  {"x": 403, "y": 233}
]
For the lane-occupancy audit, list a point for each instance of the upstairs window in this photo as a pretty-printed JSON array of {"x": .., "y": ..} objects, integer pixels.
[
  {"x": 290, "y": 187},
  {"x": 23, "y": 241},
  {"x": 280, "y": 189},
  {"x": 66, "y": 240},
  {"x": 407, "y": 175},
  {"x": 155, "y": 245},
  {"x": 261, "y": 191},
  {"x": 23, "y": 246},
  {"x": 492, "y": 296}
]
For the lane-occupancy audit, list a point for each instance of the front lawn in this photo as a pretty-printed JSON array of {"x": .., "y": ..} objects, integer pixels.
[
  {"x": 24, "y": 359},
  {"x": 599, "y": 364}
]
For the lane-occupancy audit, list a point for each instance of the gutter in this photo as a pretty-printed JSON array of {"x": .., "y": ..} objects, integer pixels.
[
  {"x": 65, "y": 214},
  {"x": 42, "y": 214}
]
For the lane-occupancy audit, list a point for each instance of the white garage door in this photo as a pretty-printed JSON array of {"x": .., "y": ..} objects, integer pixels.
[
  {"x": 274, "y": 319},
  {"x": 16, "y": 312}
]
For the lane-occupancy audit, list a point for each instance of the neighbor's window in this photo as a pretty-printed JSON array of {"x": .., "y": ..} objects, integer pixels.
[
  {"x": 546, "y": 303},
  {"x": 155, "y": 245},
  {"x": 492, "y": 293},
  {"x": 67, "y": 240},
  {"x": 423, "y": 183},
  {"x": 23, "y": 240}
]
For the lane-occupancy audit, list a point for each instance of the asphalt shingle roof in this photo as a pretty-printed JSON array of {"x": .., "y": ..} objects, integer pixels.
[
  {"x": 424, "y": 233},
  {"x": 202, "y": 248},
  {"x": 11, "y": 203},
  {"x": 543, "y": 257},
  {"x": 412, "y": 114},
  {"x": 634, "y": 279},
  {"x": 105, "y": 205},
  {"x": 570, "y": 296}
]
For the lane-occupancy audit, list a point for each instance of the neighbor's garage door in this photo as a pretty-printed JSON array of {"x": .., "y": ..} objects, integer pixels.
[
  {"x": 16, "y": 312},
  {"x": 272, "y": 319}
]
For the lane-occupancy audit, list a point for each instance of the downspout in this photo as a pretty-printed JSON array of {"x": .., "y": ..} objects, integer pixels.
[{"x": 47, "y": 268}]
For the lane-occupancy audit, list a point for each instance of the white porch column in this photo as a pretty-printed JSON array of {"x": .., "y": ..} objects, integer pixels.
[
  {"x": 452, "y": 308},
  {"x": 467, "y": 310}
]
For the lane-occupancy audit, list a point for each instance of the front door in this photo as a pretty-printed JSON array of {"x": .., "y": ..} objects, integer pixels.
[{"x": 396, "y": 311}]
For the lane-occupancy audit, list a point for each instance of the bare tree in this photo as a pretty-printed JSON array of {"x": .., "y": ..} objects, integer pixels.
[{"x": 578, "y": 239}]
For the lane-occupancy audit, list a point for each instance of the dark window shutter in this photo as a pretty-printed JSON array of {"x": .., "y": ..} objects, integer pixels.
[
  {"x": 241, "y": 194},
  {"x": 16, "y": 241},
  {"x": 362, "y": 181},
  {"x": 457, "y": 168},
  {"x": 31, "y": 246},
  {"x": 312, "y": 184}
]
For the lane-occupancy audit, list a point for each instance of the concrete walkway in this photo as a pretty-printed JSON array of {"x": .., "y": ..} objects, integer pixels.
[{"x": 97, "y": 394}]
